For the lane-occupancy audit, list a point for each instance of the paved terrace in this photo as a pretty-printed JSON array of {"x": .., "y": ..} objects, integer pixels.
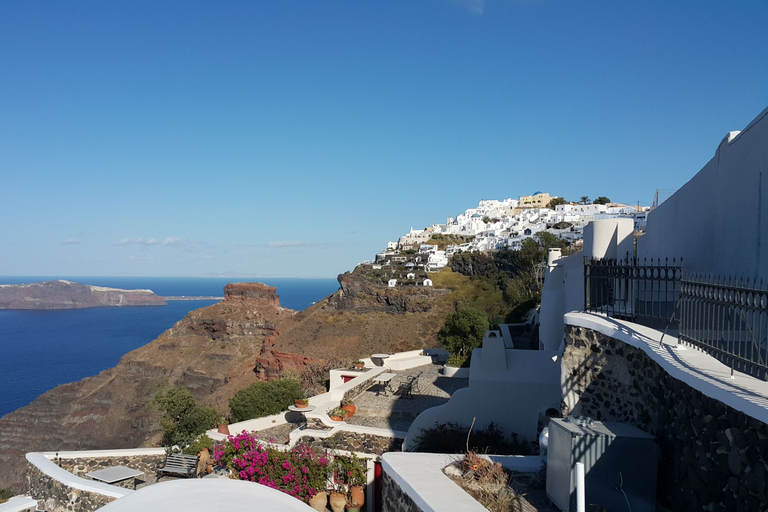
[{"x": 375, "y": 409}]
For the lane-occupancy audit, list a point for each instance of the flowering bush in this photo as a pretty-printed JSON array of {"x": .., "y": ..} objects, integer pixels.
[
  {"x": 350, "y": 469},
  {"x": 300, "y": 472}
]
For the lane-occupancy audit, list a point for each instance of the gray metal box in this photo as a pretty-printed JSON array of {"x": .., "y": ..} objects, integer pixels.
[{"x": 620, "y": 463}]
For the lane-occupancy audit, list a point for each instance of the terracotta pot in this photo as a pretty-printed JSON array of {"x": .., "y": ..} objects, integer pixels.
[
  {"x": 338, "y": 501},
  {"x": 224, "y": 428},
  {"x": 337, "y": 418},
  {"x": 319, "y": 501},
  {"x": 350, "y": 410},
  {"x": 358, "y": 366},
  {"x": 301, "y": 405},
  {"x": 357, "y": 495},
  {"x": 209, "y": 468}
]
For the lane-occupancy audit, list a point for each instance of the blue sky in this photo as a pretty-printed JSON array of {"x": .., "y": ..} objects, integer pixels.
[{"x": 295, "y": 138}]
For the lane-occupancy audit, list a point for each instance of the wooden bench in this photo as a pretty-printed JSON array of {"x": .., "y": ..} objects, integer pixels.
[{"x": 179, "y": 464}]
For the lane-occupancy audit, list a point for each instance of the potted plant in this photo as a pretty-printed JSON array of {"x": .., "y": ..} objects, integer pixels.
[
  {"x": 338, "y": 499},
  {"x": 223, "y": 426},
  {"x": 351, "y": 472},
  {"x": 337, "y": 414},
  {"x": 348, "y": 406},
  {"x": 358, "y": 365},
  {"x": 302, "y": 403}
]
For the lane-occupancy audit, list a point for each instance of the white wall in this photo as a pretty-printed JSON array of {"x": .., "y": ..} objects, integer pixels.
[
  {"x": 506, "y": 386},
  {"x": 718, "y": 221},
  {"x": 564, "y": 278}
]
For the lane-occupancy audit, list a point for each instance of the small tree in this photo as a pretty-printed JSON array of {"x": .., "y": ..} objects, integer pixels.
[
  {"x": 584, "y": 200},
  {"x": 462, "y": 332},
  {"x": 264, "y": 398},
  {"x": 183, "y": 419},
  {"x": 601, "y": 200},
  {"x": 556, "y": 201}
]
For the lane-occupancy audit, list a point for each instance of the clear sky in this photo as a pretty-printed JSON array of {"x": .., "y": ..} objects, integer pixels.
[{"x": 296, "y": 138}]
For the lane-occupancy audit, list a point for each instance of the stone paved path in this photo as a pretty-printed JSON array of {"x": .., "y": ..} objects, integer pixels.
[{"x": 392, "y": 411}]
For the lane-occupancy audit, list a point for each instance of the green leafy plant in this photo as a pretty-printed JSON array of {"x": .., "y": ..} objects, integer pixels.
[
  {"x": 462, "y": 332},
  {"x": 5, "y": 495},
  {"x": 264, "y": 398},
  {"x": 198, "y": 445},
  {"x": 183, "y": 419},
  {"x": 350, "y": 469},
  {"x": 338, "y": 411}
]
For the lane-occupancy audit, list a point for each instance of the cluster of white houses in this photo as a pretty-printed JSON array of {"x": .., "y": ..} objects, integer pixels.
[{"x": 498, "y": 225}]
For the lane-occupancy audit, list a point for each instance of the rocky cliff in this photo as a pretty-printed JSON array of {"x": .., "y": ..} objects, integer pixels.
[
  {"x": 217, "y": 350},
  {"x": 68, "y": 295},
  {"x": 212, "y": 352}
]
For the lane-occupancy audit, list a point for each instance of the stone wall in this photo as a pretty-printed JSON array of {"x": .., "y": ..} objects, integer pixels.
[
  {"x": 56, "y": 496},
  {"x": 393, "y": 499},
  {"x": 713, "y": 457},
  {"x": 146, "y": 463}
]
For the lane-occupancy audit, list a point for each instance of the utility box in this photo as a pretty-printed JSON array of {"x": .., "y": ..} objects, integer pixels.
[{"x": 620, "y": 463}]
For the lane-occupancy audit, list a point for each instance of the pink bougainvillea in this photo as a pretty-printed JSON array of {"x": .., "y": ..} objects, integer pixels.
[{"x": 300, "y": 472}]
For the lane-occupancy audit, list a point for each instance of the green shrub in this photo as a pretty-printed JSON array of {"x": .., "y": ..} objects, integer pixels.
[
  {"x": 264, "y": 398},
  {"x": 462, "y": 332},
  {"x": 197, "y": 446},
  {"x": 183, "y": 419},
  {"x": 5, "y": 495}
]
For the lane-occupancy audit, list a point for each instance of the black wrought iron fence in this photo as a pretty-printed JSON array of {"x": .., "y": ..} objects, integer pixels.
[
  {"x": 727, "y": 318},
  {"x": 644, "y": 292},
  {"x": 723, "y": 316}
]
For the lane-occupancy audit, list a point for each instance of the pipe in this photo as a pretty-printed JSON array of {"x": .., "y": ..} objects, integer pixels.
[{"x": 580, "y": 491}]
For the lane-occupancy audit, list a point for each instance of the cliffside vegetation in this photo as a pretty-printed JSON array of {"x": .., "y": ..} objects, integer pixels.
[
  {"x": 183, "y": 418},
  {"x": 515, "y": 276},
  {"x": 462, "y": 332},
  {"x": 264, "y": 398}
]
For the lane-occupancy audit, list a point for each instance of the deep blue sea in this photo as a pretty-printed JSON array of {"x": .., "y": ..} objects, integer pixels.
[{"x": 41, "y": 349}]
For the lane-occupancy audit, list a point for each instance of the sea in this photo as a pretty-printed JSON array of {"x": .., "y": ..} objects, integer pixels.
[{"x": 40, "y": 350}]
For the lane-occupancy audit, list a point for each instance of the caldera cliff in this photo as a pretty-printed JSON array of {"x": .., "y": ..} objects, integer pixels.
[
  {"x": 68, "y": 295},
  {"x": 219, "y": 349}
]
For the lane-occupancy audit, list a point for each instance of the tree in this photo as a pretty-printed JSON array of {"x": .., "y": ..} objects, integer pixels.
[
  {"x": 264, "y": 398},
  {"x": 584, "y": 200},
  {"x": 556, "y": 201},
  {"x": 462, "y": 332},
  {"x": 601, "y": 200},
  {"x": 183, "y": 419}
]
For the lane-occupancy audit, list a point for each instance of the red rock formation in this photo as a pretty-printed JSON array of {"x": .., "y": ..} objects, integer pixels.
[{"x": 251, "y": 292}]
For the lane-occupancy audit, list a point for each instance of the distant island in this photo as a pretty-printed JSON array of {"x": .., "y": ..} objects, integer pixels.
[{"x": 68, "y": 295}]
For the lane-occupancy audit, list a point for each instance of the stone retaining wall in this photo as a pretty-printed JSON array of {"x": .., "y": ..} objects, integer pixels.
[
  {"x": 354, "y": 442},
  {"x": 713, "y": 457},
  {"x": 146, "y": 463},
  {"x": 58, "y": 497},
  {"x": 54, "y": 496},
  {"x": 356, "y": 391},
  {"x": 393, "y": 498}
]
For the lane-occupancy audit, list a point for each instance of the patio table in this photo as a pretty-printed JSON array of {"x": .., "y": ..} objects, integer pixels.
[
  {"x": 115, "y": 474},
  {"x": 384, "y": 381},
  {"x": 301, "y": 411}
]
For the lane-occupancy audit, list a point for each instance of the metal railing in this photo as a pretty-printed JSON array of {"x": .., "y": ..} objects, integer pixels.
[
  {"x": 644, "y": 292},
  {"x": 727, "y": 318},
  {"x": 723, "y": 316}
]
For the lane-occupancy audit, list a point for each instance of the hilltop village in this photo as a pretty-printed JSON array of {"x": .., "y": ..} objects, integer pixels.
[{"x": 502, "y": 225}]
